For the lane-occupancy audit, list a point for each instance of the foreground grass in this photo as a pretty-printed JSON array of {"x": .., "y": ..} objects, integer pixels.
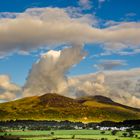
[{"x": 70, "y": 134}]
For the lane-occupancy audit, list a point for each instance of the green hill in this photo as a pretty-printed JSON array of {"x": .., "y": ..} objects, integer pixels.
[{"x": 57, "y": 107}]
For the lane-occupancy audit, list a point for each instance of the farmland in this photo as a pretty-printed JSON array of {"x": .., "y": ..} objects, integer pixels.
[{"x": 71, "y": 134}]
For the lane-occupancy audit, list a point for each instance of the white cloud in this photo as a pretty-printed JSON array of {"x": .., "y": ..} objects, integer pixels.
[
  {"x": 48, "y": 26},
  {"x": 38, "y": 27},
  {"x": 131, "y": 52},
  {"x": 7, "y": 96},
  {"x": 8, "y": 15},
  {"x": 8, "y": 90},
  {"x": 111, "y": 23},
  {"x": 130, "y": 14},
  {"x": 109, "y": 64},
  {"x": 121, "y": 86},
  {"x": 101, "y": 2},
  {"x": 48, "y": 75},
  {"x": 85, "y": 4}
]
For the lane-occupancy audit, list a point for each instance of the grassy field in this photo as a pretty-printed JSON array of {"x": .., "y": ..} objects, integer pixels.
[{"x": 71, "y": 134}]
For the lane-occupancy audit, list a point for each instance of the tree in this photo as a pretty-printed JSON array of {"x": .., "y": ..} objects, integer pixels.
[
  {"x": 5, "y": 134},
  {"x": 104, "y": 139},
  {"x": 129, "y": 130},
  {"x": 52, "y": 133},
  {"x": 124, "y": 134},
  {"x": 114, "y": 132},
  {"x": 73, "y": 137},
  {"x": 130, "y": 134},
  {"x": 102, "y": 132}
]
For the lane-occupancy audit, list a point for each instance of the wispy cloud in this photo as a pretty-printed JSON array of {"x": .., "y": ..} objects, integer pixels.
[
  {"x": 85, "y": 4},
  {"x": 101, "y": 2},
  {"x": 109, "y": 64},
  {"x": 130, "y": 14}
]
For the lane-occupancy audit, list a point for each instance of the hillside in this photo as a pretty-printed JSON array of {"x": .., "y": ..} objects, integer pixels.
[
  {"x": 57, "y": 107},
  {"x": 102, "y": 100}
]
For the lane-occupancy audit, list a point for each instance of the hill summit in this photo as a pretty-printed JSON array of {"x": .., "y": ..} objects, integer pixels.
[{"x": 57, "y": 107}]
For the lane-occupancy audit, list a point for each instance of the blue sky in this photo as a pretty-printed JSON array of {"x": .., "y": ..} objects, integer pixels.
[
  {"x": 111, "y": 9},
  {"x": 17, "y": 66}
]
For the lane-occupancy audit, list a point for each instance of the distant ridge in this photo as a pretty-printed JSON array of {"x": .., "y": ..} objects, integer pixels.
[
  {"x": 106, "y": 100},
  {"x": 52, "y": 106},
  {"x": 97, "y": 98}
]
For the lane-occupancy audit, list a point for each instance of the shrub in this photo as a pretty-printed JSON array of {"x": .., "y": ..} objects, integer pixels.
[
  {"x": 102, "y": 132},
  {"x": 130, "y": 134},
  {"x": 5, "y": 134},
  {"x": 114, "y": 132},
  {"x": 104, "y": 138},
  {"x": 124, "y": 134},
  {"x": 52, "y": 133},
  {"x": 73, "y": 136}
]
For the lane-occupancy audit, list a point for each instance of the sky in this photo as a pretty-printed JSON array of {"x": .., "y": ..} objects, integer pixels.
[{"x": 107, "y": 32}]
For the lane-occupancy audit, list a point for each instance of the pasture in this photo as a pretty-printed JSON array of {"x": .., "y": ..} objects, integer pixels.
[{"x": 70, "y": 134}]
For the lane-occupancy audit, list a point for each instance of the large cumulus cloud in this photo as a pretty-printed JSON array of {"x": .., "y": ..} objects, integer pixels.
[
  {"x": 48, "y": 75},
  {"x": 122, "y": 85}
]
